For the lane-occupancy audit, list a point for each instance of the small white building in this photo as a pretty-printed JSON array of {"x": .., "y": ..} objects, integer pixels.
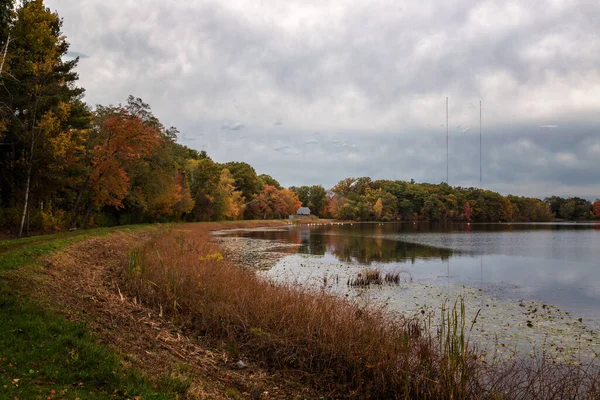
[{"x": 303, "y": 212}]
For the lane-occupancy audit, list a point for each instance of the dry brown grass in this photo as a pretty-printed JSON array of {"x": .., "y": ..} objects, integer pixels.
[
  {"x": 343, "y": 348},
  {"x": 78, "y": 282}
]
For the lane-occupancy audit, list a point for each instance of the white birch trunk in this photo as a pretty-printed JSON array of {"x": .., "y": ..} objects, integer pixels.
[{"x": 4, "y": 54}]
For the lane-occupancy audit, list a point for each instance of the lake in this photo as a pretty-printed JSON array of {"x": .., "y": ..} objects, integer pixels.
[{"x": 536, "y": 285}]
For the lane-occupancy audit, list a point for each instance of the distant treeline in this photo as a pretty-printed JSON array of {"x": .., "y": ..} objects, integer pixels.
[
  {"x": 64, "y": 165},
  {"x": 382, "y": 200}
]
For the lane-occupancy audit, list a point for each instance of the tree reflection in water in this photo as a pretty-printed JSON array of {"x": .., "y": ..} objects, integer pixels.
[{"x": 350, "y": 244}]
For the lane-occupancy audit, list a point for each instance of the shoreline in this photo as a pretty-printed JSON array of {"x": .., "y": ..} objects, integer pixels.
[
  {"x": 258, "y": 254},
  {"x": 506, "y": 326}
]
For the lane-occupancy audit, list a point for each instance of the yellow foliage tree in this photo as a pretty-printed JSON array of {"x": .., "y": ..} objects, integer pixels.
[
  {"x": 378, "y": 208},
  {"x": 228, "y": 202}
]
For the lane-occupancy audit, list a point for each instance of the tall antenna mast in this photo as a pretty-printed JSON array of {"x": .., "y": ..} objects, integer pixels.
[
  {"x": 480, "y": 164},
  {"x": 447, "y": 152}
]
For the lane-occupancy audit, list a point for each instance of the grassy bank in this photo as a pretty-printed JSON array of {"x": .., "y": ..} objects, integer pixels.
[{"x": 43, "y": 355}]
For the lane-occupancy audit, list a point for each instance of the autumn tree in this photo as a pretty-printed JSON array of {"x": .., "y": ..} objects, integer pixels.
[
  {"x": 228, "y": 203},
  {"x": 596, "y": 207},
  {"x": 378, "y": 208},
  {"x": 270, "y": 202},
  {"x": 450, "y": 206},
  {"x": 119, "y": 138},
  {"x": 37, "y": 95},
  {"x": 134, "y": 168},
  {"x": 528, "y": 209},
  {"x": 237, "y": 206},
  {"x": 274, "y": 203},
  {"x": 291, "y": 200},
  {"x": 159, "y": 187},
  {"x": 508, "y": 210},
  {"x": 185, "y": 203},
  {"x": 467, "y": 211},
  {"x": 334, "y": 203}
]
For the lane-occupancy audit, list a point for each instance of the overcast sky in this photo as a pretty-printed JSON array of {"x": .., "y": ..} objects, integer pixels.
[{"x": 313, "y": 91}]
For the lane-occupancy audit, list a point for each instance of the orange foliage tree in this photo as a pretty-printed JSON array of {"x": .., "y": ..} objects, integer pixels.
[
  {"x": 123, "y": 138},
  {"x": 184, "y": 203},
  {"x": 292, "y": 201},
  {"x": 334, "y": 203},
  {"x": 596, "y": 207},
  {"x": 275, "y": 203},
  {"x": 117, "y": 140}
]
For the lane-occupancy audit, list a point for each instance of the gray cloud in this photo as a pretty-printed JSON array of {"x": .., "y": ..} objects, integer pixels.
[
  {"x": 232, "y": 126},
  {"x": 74, "y": 54},
  {"x": 370, "y": 76}
]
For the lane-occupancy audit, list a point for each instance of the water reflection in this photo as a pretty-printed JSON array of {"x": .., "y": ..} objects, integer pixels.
[
  {"x": 382, "y": 243},
  {"x": 363, "y": 244},
  {"x": 558, "y": 263},
  {"x": 367, "y": 250}
]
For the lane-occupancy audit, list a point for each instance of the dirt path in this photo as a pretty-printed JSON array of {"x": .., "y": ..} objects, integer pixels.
[{"x": 81, "y": 283}]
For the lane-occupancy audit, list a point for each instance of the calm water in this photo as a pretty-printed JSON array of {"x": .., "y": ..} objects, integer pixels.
[{"x": 557, "y": 264}]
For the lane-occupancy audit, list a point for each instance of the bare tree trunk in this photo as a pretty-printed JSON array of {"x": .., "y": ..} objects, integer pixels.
[
  {"x": 28, "y": 184},
  {"x": 29, "y": 167},
  {"x": 4, "y": 55},
  {"x": 76, "y": 206},
  {"x": 87, "y": 216}
]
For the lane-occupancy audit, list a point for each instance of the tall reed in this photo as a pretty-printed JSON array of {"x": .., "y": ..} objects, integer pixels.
[{"x": 457, "y": 368}]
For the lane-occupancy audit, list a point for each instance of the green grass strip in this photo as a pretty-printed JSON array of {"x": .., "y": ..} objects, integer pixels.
[{"x": 42, "y": 355}]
